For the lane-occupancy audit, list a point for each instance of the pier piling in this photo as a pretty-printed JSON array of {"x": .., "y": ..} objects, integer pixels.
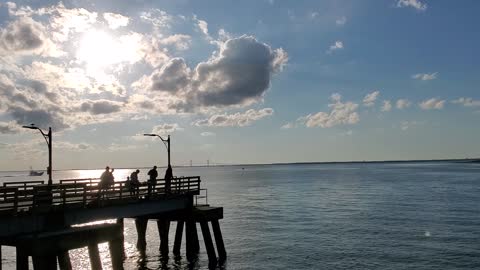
[
  {"x": 64, "y": 261},
  {"x": 222, "y": 254},
  {"x": 22, "y": 259},
  {"x": 178, "y": 237},
  {"x": 163, "y": 230},
  {"x": 45, "y": 262},
  {"x": 116, "y": 253},
  {"x": 141, "y": 225},
  {"x": 192, "y": 245},
  {"x": 93, "y": 253},
  {"x": 207, "y": 238}
]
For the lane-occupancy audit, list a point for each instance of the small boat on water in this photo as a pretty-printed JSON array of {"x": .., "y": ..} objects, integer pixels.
[{"x": 35, "y": 173}]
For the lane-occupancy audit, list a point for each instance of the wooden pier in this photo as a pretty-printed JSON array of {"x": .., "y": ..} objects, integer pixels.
[{"x": 46, "y": 221}]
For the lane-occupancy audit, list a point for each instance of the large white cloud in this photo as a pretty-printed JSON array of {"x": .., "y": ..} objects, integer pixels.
[{"x": 239, "y": 74}]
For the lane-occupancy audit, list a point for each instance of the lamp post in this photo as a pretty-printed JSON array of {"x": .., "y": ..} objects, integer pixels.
[
  {"x": 48, "y": 139},
  {"x": 165, "y": 142}
]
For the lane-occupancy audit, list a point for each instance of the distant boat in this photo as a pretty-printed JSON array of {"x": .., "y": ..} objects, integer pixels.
[{"x": 35, "y": 173}]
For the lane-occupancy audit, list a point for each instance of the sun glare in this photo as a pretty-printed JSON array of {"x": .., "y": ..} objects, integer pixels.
[{"x": 98, "y": 50}]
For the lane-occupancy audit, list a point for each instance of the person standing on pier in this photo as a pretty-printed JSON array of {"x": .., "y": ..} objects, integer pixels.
[
  {"x": 134, "y": 183},
  {"x": 152, "y": 181},
  {"x": 168, "y": 179},
  {"x": 104, "y": 180}
]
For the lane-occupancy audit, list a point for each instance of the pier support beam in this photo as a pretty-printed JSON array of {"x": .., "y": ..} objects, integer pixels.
[
  {"x": 22, "y": 259},
  {"x": 120, "y": 222},
  {"x": 163, "y": 229},
  {"x": 191, "y": 239},
  {"x": 207, "y": 238},
  {"x": 222, "y": 254},
  {"x": 141, "y": 224},
  {"x": 116, "y": 253},
  {"x": 64, "y": 261},
  {"x": 178, "y": 238},
  {"x": 45, "y": 262},
  {"x": 94, "y": 254}
]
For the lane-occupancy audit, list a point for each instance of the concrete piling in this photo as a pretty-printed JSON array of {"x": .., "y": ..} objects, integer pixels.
[
  {"x": 94, "y": 254},
  {"x": 178, "y": 237},
  {"x": 163, "y": 230},
  {"x": 191, "y": 239},
  {"x": 207, "y": 238},
  {"x": 45, "y": 262},
  {"x": 222, "y": 254},
  {"x": 141, "y": 225},
  {"x": 116, "y": 253},
  {"x": 64, "y": 261},
  {"x": 22, "y": 259}
]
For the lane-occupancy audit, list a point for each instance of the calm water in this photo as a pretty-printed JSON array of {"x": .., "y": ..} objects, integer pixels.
[{"x": 338, "y": 216}]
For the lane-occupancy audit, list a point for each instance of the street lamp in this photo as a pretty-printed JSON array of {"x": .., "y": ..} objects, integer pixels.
[
  {"x": 165, "y": 142},
  {"x": 48, "y": 139}
]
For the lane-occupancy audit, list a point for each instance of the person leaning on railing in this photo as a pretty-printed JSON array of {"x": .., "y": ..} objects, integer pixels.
[
  {"x": 152, "y": 180},
  {"x": 134, "y": 183}
]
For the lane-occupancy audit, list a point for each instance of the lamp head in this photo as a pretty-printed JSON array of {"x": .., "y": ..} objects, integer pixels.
[
  {"x": 149, "y": 134},
  {"x": 32, "y": 126}
]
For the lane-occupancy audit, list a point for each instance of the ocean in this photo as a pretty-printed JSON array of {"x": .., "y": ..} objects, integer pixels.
[{"x": 422, "y": 215}]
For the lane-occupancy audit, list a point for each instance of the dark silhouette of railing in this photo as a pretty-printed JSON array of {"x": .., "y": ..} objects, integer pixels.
[{"x": 24, "y": 197}]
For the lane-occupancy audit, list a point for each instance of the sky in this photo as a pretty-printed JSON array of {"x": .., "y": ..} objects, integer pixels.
[{"x": 236, "y": 82}]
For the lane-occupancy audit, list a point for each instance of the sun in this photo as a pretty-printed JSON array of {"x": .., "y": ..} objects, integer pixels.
[{"x": 98, "y": 50}]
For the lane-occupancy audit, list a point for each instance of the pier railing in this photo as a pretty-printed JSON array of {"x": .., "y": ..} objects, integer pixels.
[{"x": 28, "y": 196}]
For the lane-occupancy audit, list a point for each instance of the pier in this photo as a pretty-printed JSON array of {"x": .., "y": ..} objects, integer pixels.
[{"x": 45, "y": 221}]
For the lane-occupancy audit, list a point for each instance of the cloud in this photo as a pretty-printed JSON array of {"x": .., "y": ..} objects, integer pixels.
[
  {"x": 24, "y": 36},
  {"x": 341, "y": 113},
  {"x": 403, "y": 103},
  {"x": 158, "y": 18},
  {"x": 238, "y": 74},
  {"x": 288, "y": 126},
  {"x": 235, "y": 120},
  {"x": 467, "y": 102},
  {"x": 203, "y": 26},
  {"x": 425, "y": 76},
  {"x": 387, "y": 106},
  {"x": 207, "y": 134},
  {"x": 179, "y": 41},
  {"x": 341, "y": 21},
  {"x": 72, "y": 146},
  {"x": 338, "y": 45},
  {"x": 116, "y": 20},
  {"x": 172, "y": 77},
  {"x": 432, "y": 103},
  {"x": 369, "y": 99},
  {"x": 165, "y": 129},
  {"x": 104, "y": 106},
  {"x": 9, "y": 127},
  {"x": 404, "y": 125},
  {"x": 416, "y": 4}
]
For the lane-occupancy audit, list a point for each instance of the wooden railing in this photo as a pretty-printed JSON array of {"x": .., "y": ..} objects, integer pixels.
[{"x": 83, "y": 193}]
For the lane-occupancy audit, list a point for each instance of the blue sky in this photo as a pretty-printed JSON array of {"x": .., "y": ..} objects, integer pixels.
[{"x": 238, "y": 81}]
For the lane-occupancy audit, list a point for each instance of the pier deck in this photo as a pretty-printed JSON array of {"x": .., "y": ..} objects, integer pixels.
[{"x": 43, "y": 221}]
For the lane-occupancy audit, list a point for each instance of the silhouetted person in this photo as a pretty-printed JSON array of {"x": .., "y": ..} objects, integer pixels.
[
  {"x": 168, "y": 179},
  {"x": 104, "y": 180},
  {"x": 152, "y": 180},
  {"x": 134, "y": 183}
]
